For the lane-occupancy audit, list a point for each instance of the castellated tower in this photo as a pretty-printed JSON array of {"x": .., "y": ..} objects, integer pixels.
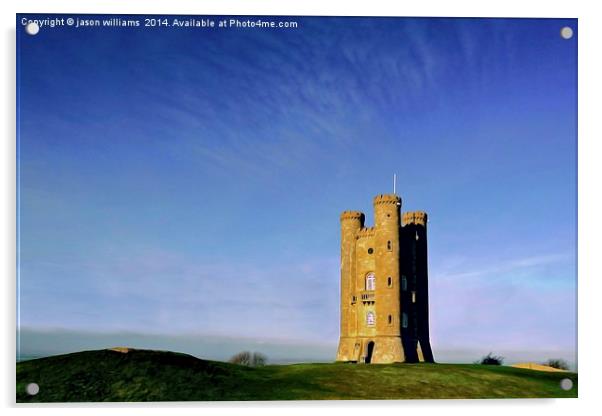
[{"x": 384, "y": 286}]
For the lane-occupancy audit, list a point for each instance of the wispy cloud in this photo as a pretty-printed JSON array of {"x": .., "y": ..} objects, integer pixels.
[
  {"x": 463, "y": 268},
  {"x": 155, "y": 288},
  {"x": 511, "y": 304}
]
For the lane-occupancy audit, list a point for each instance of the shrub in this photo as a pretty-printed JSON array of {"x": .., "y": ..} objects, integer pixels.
[
  {"x": 490, "y": 359},
  {"x": 256, "y": 359},
  {"x": 259, "y": 359},
  {"x": 557, "y": 363},
  {"x": 242, "y": 358}
]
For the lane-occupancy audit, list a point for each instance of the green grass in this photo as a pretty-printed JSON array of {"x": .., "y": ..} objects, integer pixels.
[{"x": 142, "y": 375}]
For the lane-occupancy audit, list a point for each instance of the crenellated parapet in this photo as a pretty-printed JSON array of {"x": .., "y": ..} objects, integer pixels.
[
  {"x": 387, "y": 199},
  {"x": 366, "y": 232},
  {"x": 352, "y": 215},
  {"x": 414, "y": 217}
]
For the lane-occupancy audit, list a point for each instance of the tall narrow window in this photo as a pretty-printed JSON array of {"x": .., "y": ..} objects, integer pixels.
[
  {"x": 389, "y": 245},
  {"x": 370, "y": 318},
  {"x": 390, "y": 319},
  {"x": 370, "y": 281},
  {"x": 404, "y": 320},
  {"x": 404, "y": 283},
  {"x": 389, "y": 281}
]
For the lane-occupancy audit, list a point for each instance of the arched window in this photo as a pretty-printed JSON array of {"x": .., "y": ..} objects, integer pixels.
[
  {"x": 390, "y": 319},
  {"x": 370, "y": 318},
  {"x": 370, "y": 281}
]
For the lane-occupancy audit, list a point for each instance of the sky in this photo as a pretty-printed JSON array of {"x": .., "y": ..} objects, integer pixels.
[{"x": 186, "y": 183}]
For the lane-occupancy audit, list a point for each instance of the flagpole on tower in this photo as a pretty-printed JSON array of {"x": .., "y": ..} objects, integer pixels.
[{"x": 394, "y": 182}]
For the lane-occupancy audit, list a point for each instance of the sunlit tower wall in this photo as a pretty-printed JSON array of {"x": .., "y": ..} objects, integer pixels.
[
  {"x": 387, "y": 344},
  {"x": 351, "y": 223},
  {"x": 414, "y": 288}
]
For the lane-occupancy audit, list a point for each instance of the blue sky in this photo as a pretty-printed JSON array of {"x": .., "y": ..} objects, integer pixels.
[{"x": 183, "y": 182}]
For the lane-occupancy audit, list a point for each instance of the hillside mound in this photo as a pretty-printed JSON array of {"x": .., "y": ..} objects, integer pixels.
[
  {"x": 538, "y": 367},
  {"x": 126, "y": 374}
]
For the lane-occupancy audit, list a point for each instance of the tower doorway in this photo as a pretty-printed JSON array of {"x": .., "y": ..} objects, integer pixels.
[{"x": 369, "y": 352}]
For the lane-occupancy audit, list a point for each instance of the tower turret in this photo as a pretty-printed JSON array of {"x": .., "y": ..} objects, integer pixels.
[
  {"x": 414, "y": 262},
  {"x": 351, "y": 223},
  {"x": 387, "y": 304}
]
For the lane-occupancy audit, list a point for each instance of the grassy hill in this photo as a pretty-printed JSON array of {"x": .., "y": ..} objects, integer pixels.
[{"x": 142, "y": 375}]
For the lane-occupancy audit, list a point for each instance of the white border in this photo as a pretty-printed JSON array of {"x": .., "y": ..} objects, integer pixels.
[{"x": 590, "y": 208}]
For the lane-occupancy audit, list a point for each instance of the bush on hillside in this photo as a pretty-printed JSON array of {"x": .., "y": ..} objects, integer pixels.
[
  {"x": 557, "y": 363},
  {"x": 256, "y": 359},
  {"x": 491, "y": 359},
  {"x": 242, "y": 358}
]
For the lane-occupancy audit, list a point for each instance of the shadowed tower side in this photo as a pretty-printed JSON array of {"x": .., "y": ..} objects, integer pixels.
[{"x": 414, "y": 294}]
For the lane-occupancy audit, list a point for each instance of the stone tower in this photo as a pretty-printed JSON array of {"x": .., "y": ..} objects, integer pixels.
[{"x": 384, "y": 286}]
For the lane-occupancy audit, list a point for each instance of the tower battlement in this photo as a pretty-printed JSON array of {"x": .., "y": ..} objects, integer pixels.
[
  {"x": 352, "y": 215},
  {"x": 415, "y": 217},
  {"x": 365, "y": 232},
  {"x": 387, "y": 199}
]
